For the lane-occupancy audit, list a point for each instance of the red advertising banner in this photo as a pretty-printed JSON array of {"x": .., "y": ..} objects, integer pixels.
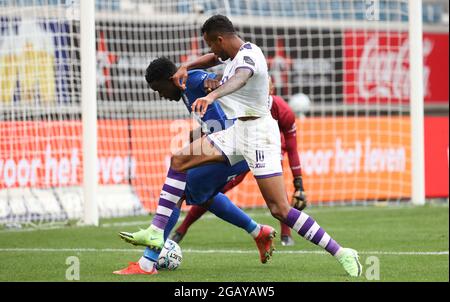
[
  {"x": 343, "y": 165},
  {"x": 436, "y": 156},
  {"x": 376, "y": 67},
  {"x": 48, "y": 154}
]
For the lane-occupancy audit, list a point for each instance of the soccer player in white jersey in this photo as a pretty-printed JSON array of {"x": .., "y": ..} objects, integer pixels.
[{"x": 255, "y": 136}]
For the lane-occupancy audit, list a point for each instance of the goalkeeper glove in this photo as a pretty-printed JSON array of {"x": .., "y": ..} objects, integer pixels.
[{"x": 299, "y": 200}]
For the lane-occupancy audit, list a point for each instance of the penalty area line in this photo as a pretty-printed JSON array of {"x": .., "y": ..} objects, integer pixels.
[{"x": 215, "y": 251}]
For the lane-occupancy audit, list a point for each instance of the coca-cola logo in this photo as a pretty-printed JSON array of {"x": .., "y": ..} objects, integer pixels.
[{"x": 383, "y": 70}]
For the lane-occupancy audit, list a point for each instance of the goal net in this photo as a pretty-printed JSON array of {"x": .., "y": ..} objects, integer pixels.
[{"x": 342, "y": 65}]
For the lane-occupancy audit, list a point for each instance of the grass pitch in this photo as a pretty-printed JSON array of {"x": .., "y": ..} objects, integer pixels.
[{"x": 408, "y": 243}]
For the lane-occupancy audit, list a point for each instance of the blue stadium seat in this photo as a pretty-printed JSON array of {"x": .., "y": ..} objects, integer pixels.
[
  {"x": 300, "y": 9},
  {"x": 313, "y": 9},
  {"x": 359, "y": 8},
  {"x": 347, "y": 9},
  {"x": 432, "y": 13},
  {"x": 111, "y": 5},
  {"x": 394, "y": 10},
  {"x": 287, "y": 8},
  {"x": 234, "y": 7},
  {"x": 404, "y": 11},
  {"x": 324, "y": 9},
  {"x": 183, "y": 6},
  {"x": 383, "y": 10},
  {"x": 209, "y": 6},
  {"x": 336, "y": 10},
  {"x": 260, "y": 7}
]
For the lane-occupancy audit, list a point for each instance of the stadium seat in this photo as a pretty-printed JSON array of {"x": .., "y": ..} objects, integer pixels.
[{"x": 287, "y": 8}]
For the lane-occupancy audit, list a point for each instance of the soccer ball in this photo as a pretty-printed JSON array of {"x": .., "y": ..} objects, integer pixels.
[
  {"x": 170, "y": 256},
  {"x": 300, "y": 103}
]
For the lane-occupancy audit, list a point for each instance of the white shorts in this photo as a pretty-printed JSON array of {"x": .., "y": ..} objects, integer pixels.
[{"x": 255, "y": 141}]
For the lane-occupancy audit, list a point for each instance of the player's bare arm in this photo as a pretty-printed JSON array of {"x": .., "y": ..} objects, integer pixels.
[
  {"x": 211, "y": 84},
  {"x": 299, "y": 200},
  {"x": 203, "y": 62},
  {"x": 236, "y": 82}
]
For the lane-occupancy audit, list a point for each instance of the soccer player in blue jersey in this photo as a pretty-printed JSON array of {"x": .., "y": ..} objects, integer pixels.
[{"x": 201, "y": 189}]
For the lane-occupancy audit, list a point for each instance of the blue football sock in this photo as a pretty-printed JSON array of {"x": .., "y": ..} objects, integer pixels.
[
  {"x": 152, "y": 255},
  {"x": 172, "y": 222},
  {"x": 223, "y": 208}
]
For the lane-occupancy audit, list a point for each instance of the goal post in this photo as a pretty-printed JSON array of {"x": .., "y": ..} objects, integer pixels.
[
  {"x": 89, "y": 110},
  {"x": 417, "y": 102}
]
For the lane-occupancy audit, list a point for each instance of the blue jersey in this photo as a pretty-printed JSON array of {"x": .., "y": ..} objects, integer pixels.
[
  {"x": 214, "y": 119},
  {"x": 206, "y": 181}
]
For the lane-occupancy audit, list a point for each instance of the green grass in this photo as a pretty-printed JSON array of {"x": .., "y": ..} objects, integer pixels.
[{"x": 367, "y": 229}]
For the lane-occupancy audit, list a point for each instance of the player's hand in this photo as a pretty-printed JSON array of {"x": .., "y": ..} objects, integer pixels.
[
  {"x": 180, "y": 77},
  {"x": 201, "y": 104},
  {"x": 210, "y": 85},
  {"x": 299, "y": 200}
]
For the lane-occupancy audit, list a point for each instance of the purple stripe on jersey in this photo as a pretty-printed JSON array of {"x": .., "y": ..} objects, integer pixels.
[
  {"x": 306, "y": 226},
  {"x": 160, "y": 221},
  {"x": 246, "y": 67},
  {"x": 166, "y": 203},
  {"x": 246, "y": 46},
  {"x": 319, "y": 235},
  {"x": 332, "y": 247},
  {"x": 292, "y": 217},
  {"x": 172, "y": 190},
  {"x": 268, "y": 175},
  {"x": 181, "y": 176}
]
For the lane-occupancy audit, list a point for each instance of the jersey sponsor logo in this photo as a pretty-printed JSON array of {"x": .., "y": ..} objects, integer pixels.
[
  {"x": 260, "y": 165},
  {"x": 249, "y": 60},
  {"x": 256, "y": 165}
]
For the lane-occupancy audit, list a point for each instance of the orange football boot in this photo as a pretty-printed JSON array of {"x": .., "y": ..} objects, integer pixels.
[
  {"x": 134, "y": 269},
  {"x": 264, "y": 242}
]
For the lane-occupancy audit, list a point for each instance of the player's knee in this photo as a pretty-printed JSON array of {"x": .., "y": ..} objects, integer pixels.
[
  {"x": 279, "y": 211},
  {"x": 276, "y": 211}
]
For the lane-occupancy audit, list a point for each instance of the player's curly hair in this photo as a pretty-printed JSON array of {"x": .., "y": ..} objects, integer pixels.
[
  {"x": 160, "y": 69},
  {"x": 218, "y": 24}
]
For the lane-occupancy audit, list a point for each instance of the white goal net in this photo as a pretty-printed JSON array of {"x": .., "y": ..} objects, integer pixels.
[{"x": 343, "y": 66}]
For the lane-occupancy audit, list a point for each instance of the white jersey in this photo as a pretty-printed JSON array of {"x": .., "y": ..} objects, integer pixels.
[{"x": 252, "y": 99}]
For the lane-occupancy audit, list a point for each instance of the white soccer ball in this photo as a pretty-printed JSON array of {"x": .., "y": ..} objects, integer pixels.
[
  {"x": 170, "y": 256},
  {"x": 300, "y": 103}
]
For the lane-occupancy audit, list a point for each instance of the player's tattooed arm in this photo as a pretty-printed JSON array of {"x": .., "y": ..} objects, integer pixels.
[
  {"x": 203, "y": 62},
  {"x": 237, "y": 81}
]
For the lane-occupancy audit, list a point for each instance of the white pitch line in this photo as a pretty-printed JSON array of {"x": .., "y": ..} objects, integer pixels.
[
  {"x": 216, "y": 251},
  {"x": 313, "y": 210}
]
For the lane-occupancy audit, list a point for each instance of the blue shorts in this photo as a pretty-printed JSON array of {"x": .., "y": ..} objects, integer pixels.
[{"x": 205, "y": 182}]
